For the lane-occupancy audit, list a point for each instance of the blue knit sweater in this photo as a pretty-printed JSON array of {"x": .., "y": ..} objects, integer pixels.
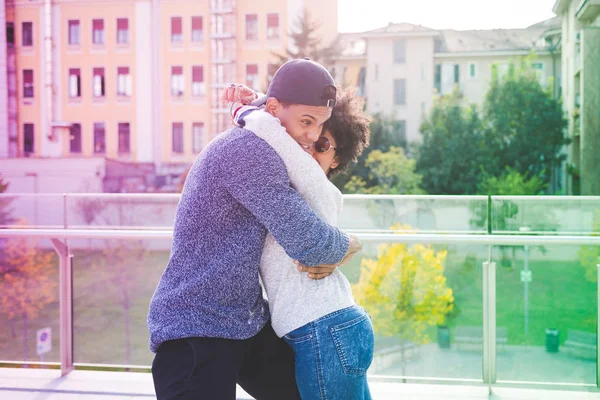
[{"x": 236, "y": 191}]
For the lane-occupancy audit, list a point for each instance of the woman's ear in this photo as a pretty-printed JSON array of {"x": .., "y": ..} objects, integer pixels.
[{"x": 335, "y": 163}]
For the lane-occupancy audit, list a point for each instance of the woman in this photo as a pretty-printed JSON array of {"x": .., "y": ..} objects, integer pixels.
[{"x": 331, "y": 336}]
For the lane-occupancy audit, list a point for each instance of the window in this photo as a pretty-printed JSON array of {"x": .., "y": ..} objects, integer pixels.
[
  {"x": 98, "y": 31},
  {"x": 10, "y": 33},
  {"x": 197, "y": 30},
  {"x": 251, "y": 27},
  {"x": 198, "y": 87},
  {"x": 74, "y": 83},
  {"x": 438, "y": 78},
  {"x": 472, "y": 70},
  {"x": 177, "y": 137},
  {"x": 75, "y": 139},
  {"x": 177, "y": 83},
  {"x": 122, "y": 30},
  {"x": 99, "y": 138},
  {"x": 400, "y": 129},
  {"x": 27, "y": 33},
  {"x": 74, "y": 32},
  {"x": 456, "y": 74},
  {"x": 176, "y": 30},
  {"x": 123, "y": 82},
  {"x": 252, "y": 80},
  {"x": 124, "y": 138},
  {"x": 399, "y": 51},
  {"x": 28, "y": 83},
  {"x": 198, "y": 136},
  {"x": 271, "y": 69},
  {"x": 538, "y": 67},
  {"x": 272, "y": 26},
  {"x": 98, "y": 82},
  {"x": 28, "y": 138},
  {"x": 399, "y": 91}
]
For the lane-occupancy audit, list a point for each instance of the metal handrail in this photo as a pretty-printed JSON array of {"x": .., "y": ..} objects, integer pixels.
[{"x": 409, "y": 238}]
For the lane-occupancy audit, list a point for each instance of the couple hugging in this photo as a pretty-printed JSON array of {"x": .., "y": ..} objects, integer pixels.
[{"x": 258, "y": 212}]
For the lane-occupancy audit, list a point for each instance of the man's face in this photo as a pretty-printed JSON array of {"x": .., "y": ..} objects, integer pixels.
[{"x": 303, "y": 123}]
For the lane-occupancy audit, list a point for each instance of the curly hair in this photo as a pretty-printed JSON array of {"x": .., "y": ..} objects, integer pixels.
[{"x": 349, "y": 126}]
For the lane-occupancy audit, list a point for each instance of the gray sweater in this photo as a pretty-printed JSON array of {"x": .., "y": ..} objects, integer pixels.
[{"x": 237, "y": 191}]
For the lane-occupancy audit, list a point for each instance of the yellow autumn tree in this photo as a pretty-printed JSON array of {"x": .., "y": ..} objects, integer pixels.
[
  {"x": 27, "y": 283},
  {"x": 404, "y": 290}
]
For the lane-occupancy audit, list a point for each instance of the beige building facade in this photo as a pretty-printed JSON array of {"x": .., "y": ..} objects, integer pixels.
[
  {"x": 580, "y": 45},
  {"x": 137, "y": 80}
]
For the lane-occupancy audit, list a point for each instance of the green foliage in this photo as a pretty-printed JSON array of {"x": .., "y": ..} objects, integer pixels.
[
  {"x": 384, "y": 135},
  {"x": 453, "y": 150},
  {"x": 589, "y": 256},
  {"x": 511, "y": 183},
  {"x": 391, "y": 173},
  {"x": 525, "y": 123},
  {"x": 405, "y": 290}
]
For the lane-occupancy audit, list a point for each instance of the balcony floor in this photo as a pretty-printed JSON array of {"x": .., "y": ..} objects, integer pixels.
[{"x": 29, "y": 384}]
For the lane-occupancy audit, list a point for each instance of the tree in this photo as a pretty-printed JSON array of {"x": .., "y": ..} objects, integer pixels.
[
  {"x": 6, "y": 217},
  {"x": 391, "y": 173},
  {"x": 505, "y": 211},
  {"x": 452, "y": 153},
  {"x": 525, "y": 124},
  {"x": 405, "y": 290},
  {"x": 26, "y": 284},
  {"x": 385, "y": 134},
  {"x": 306, "y": 43}
]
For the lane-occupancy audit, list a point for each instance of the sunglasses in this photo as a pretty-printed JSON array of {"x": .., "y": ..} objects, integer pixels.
[{"x": 323, "y": 145}]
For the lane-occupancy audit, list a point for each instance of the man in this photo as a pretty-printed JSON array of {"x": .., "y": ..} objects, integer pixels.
[{"x": 208, "y": 321}]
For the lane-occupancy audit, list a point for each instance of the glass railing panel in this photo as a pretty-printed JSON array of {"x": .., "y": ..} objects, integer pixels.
[
  {"x": 116, "y": 211},
  {"x": 427, "y": 214},
  {"x": 566, "y": 215},
  {"x": 113, "y": 283},
  {"x": 422, "y": 299},
  {"x": 29, "y": 303},
  {"x": 31, "y": 210},
  {"x": 547, "y": 307}
]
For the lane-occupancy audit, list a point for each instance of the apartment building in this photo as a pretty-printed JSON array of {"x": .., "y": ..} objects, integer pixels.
[
  {"x": 400, "y": 67},
  {"x": 136, "y": 80},
  {"x": 580, "y": 47}
]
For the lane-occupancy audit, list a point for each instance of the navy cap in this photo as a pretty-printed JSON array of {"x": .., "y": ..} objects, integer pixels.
[{"x": 301, "y": 81}]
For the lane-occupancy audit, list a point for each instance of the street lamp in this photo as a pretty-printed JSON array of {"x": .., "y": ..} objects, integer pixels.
[{"x": 525, "y": 278}]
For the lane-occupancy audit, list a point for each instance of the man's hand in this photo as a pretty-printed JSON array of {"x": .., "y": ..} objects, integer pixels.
[
  {"x": 323, "y": 271},
  {"x": 237, "y": 92}
]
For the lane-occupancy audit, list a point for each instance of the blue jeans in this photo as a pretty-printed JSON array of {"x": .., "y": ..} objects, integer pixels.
[{"x": 332, "y": 355}]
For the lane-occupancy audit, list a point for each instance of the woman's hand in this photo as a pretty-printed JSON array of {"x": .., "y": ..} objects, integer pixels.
[{"x": 238, "y": 92}]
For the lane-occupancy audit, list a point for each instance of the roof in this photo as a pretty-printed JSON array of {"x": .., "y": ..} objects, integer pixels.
[
  {"x": 492, "y": 40},
  {"x": 352, "y": 45},
  {"x": 403, "y": 27}
]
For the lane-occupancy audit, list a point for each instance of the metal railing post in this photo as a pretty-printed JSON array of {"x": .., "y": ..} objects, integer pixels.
[
  {"x": 598, "y": 330},
  {"x": 489, "y": 323},
  {"x": 65, "y": 277}
]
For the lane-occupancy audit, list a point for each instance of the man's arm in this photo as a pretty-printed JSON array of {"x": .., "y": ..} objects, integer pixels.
[{"x": 256, "y": 177}]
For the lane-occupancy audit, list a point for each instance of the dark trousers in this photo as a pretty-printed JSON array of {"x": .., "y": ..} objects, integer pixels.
[{"x": 209, "y": 368}]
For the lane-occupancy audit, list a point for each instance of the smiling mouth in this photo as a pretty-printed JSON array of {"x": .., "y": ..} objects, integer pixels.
[{"x": 306, "y": 147}]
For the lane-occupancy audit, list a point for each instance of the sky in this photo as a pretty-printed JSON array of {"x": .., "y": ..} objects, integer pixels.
[{"x": 363, "y": 15}]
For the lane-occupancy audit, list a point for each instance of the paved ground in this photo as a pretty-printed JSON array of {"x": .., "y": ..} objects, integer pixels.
[{"x": 32, "y": 384}]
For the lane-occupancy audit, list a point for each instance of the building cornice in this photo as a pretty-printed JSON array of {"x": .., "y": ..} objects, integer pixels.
[{"x": 498, "y": 53}]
